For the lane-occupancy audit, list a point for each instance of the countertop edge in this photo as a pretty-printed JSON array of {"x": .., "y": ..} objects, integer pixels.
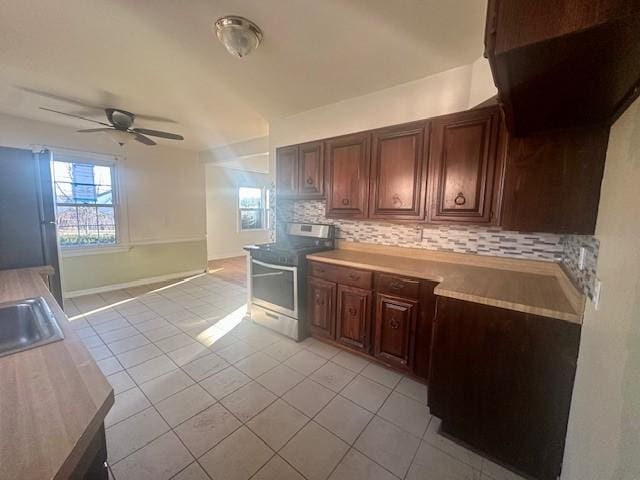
[
  {"x": 444, "y": 292},
  {"x": 29, "y": 283}
]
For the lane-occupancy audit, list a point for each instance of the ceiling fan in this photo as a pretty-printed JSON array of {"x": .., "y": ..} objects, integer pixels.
[{"x": 120, "y": 127}]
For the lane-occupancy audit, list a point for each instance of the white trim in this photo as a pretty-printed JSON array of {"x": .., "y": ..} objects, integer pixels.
[
  {"x": 169, "y": 240},
  {"x": 79, "y": 155},
  {"x": 221, "y": 256},
  {"x": 135, "y": 283},
  {"x": 67, "y": 252}
]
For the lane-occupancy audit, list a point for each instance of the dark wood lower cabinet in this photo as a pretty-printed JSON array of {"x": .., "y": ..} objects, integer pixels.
[
  {"x": 501, "y": 381},
  {"x": 92, "y": 465},
  {"x": 321, "y": 307},
  {"x": 395, "y": 323},
  {"x": 395, "y": 331},
  {"x": 353, "y": 317}
]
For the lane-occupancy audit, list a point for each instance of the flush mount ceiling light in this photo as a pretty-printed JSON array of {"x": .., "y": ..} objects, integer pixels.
[{"x": 239, "y": 35}]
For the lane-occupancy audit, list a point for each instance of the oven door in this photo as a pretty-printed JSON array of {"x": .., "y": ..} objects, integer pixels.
[{"x": 275, "y": 287}]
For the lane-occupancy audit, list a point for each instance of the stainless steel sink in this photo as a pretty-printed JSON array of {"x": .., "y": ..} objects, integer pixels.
[{"x": 27, "y": 324}]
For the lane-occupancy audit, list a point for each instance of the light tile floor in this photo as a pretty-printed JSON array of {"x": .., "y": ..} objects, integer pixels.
[{"x": 202, "y": 393}]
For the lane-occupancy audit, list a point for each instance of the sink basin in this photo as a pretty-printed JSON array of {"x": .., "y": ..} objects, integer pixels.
[{"x": 27, "y": 324}]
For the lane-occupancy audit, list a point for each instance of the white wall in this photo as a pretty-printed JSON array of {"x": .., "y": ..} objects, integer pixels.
[
  {"x": 223, "y": 236},
  {"x": 164, "y": 186},
  {"x": 603, "y": 441},
  {"x": 438, "y": 94},
  {"x": 446, "y": 92},
  {"x": 481, "y": 86}
]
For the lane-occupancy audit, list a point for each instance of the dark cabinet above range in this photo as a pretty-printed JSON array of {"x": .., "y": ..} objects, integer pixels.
[{"x": 300, "y": 171}]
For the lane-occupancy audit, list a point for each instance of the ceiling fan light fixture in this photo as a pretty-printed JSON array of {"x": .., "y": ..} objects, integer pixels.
[
  {"x": 239, "y": 35},
  {"x": 119, "y": 136}
]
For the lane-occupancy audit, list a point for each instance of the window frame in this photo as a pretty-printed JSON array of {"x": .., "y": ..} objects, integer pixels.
[
  {"x": 264, "y": 210},
  {"x": 118, "y": 203}
]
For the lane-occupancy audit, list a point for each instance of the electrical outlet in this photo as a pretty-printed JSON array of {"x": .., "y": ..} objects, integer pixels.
[
  {"x": 583, "y": 256},
  {"x": 419, "y": 234},
  {"x": 597, "y": 294}
]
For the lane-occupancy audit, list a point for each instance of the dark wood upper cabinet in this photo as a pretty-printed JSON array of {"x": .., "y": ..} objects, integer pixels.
[
  {"x": 287, "y": 171},
  {"x": 398, "y": 172},
  {"x": 552, "y": 181},
  {"x": 394, "y": 326},
  {"x": 347, "y": 176},
  {"x": 353, "y": 317},
  {"x": 563, "y": 63},
  {"x": 311, "y": 170},
  {"x": 321, "y": 307},
  {"x": 463, "y": 159}
]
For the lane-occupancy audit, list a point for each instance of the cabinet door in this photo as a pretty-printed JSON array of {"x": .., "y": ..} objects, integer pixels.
[
  {"x": 552, "y": 181},
  {"x": 462, "y": 159},
  {"x": 353, "y": 318},
  {"x": 287, "y": 171},
  {"x": 311, "y": 170},
  {"x": 424, "y": 329},
  {"x": 321, "y": 312},
  {"x": 398, "y": 173},
  {"x": 394, "y": 326},
  {"x": 347, "y": 172}
]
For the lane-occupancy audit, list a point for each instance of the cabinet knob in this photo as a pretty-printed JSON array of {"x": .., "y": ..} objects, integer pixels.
[
  {"x": 393, "y": 323},
  {"x": 396, "y": 199},
  {"x": 352, "y": 311},
  {"x": 345, "y": 201},
  {"x": 354, "y": 276},
  {"x": 319, "y": 299},
  {"x": 309, "y": 181},
  {"x": 460, "y": 200}
]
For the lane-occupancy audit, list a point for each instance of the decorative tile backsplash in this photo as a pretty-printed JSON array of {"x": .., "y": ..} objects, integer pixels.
[
  {"x": 453, "y": 238},
  {"x": 586, "y": 277}
]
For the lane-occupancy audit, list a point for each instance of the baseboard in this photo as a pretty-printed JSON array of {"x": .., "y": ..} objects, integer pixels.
[
  {"x": 135, "y": 283},
  {"x": 222, "y": 256}
]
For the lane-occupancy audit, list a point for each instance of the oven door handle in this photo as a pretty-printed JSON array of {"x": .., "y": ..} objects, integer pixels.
[
  {"x": 258, "y": 275},
  {"x": 275, "y": 267}
]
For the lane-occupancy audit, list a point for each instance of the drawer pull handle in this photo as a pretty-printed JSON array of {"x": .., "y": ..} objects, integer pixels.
[
  {"x": 460, "y": 200},
  {"x": 319, "y": 270},
  {"x": 345, "y": 201},
  {"x": 396, "y": 199},
  {"x": 354, "y": 276},
  {"x": 396, "y": 285},
  {"x": 393, "y": 323},
  {"x": 352, "y": 311},
  {"x": 309, "y": 181}
]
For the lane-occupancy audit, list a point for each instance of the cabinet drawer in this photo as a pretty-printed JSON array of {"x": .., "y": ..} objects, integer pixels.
[
  {"x": 395, "y": 285},
  {"x": 342, "y": 275}
]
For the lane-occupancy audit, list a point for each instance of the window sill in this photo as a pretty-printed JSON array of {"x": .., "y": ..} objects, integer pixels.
[{"x": 67, "y": 252}]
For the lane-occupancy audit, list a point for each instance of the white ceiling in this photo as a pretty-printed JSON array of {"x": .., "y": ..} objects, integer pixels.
[{"x": 159, "y": 57}]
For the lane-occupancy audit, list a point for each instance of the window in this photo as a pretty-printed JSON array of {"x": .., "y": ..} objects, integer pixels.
[
  {"x": 85, "y": 203},
  {"x": 253, "y": 208}
]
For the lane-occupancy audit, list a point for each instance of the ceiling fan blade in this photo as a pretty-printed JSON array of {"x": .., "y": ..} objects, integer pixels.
[
  {"x": 143, "y": 139},
  {"x": 153, "y": 118},
  {"x": 74, "y": 116},
  {"x": 158, "y": 133},
  {"x": 90, "y": 130},
  {"x": 60, "y": 98}
]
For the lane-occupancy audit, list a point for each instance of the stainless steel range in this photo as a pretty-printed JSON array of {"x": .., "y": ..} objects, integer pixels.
[{"x": 277, "y": 287}]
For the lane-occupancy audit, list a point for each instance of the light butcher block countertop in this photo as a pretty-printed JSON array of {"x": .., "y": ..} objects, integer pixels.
[
  {"x": 53, "y": 398},
  {"x": 536, "y": 287}
]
